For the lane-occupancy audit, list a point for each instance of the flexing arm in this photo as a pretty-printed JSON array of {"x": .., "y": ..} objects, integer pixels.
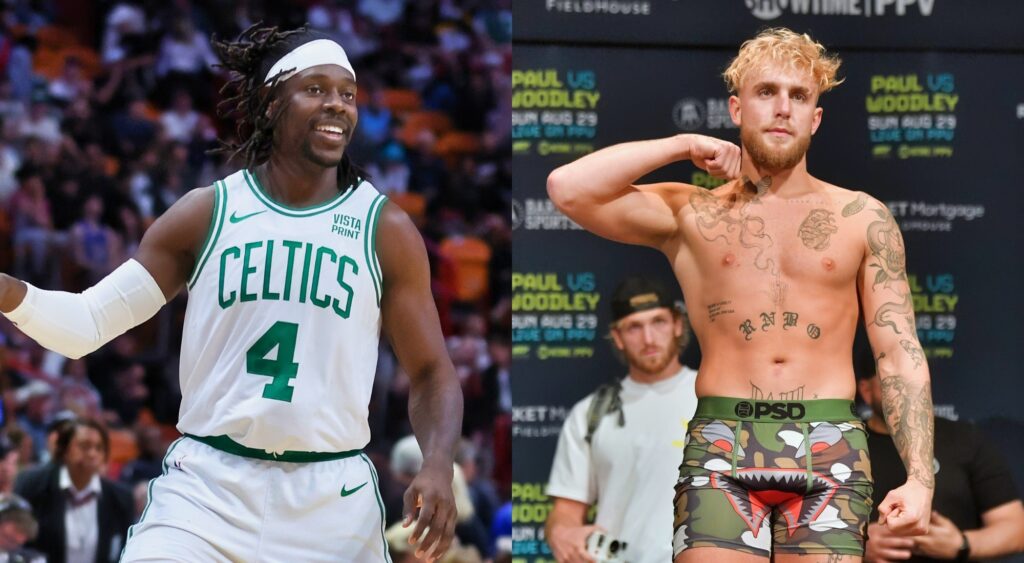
[
  {"x": 902, "y": 369},
  {"x": 435, "y": 397},
  {"x": 75, "y": 324},
  {"x": 565, "y": 532},
  {"x": 598, "y": 192}
]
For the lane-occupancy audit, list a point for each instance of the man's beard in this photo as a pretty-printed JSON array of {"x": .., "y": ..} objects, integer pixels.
[
  {"x": 770, "y": 157},
  {"x": 328, "y": 162},
  {"x": 652, "y": 365}
]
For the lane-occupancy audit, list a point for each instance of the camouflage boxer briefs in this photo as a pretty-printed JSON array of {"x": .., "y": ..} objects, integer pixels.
[{"x": 782, "y": 476}]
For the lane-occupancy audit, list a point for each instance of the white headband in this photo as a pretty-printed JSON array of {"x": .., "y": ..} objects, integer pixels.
[{"x": 319, "y": 52}]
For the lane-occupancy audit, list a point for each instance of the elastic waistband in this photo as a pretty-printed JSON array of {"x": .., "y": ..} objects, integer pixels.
[
  {"x": 817, "y": 410},
  {"x": 225, "y": 444}
]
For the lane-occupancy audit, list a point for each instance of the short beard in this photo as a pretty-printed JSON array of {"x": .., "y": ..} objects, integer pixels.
[
  {"x": 310, "y": 154},
  {"x": 652, "y": 366},
  {"x": 769, "y": 158}
]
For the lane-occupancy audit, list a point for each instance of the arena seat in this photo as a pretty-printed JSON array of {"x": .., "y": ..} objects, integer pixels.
[
  {"x": 471, "y": 257},
  {"x": 56, "y": 37},
  {"x": 401, "y": 100},
  {"x": 412, "y": 203}
]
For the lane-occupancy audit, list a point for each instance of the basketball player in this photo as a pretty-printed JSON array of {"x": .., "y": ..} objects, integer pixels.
[
  {"x": 293, "y": 266},
  {"x": 775, "y": 266}
]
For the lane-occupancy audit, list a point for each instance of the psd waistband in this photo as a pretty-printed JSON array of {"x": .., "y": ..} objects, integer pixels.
[
  {"x": 817, "y": 410},
  {"x": 225, "y": 444}
]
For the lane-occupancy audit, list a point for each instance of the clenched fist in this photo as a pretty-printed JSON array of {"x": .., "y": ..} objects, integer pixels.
[
  {"x": 720, "y": 158},
  {"x": 907, "y": 509}
]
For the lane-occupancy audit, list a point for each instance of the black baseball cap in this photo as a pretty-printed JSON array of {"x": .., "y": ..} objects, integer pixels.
[{"x": 638, "y": 293}]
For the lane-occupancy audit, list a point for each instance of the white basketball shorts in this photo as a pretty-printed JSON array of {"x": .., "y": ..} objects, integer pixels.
[{"x": 213, "y": 506}]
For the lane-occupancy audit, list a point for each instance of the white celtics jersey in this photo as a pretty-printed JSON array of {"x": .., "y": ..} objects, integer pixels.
[{"x": 280, "y": 341}]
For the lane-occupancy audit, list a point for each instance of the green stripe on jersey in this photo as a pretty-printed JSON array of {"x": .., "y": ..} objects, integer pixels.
[
  {"x": 220, "y": 203},
  {"x": 261, "y": 194},
  {"x": 376, "y": 260},
  {"x": 369, "y": 243}
]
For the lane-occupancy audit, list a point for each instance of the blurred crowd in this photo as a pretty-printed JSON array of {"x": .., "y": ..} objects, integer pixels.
[{"x": 107, "y": 114}]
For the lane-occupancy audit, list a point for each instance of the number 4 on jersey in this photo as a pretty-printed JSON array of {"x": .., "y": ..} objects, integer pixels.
[{"x": 282, "y": 336}]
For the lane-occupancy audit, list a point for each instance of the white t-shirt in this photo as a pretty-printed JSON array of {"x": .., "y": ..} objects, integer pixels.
[{"x": 629, "y": 471}]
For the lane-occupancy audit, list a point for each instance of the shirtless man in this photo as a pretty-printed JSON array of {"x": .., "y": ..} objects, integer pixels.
[{"x": 775, "y": 266}]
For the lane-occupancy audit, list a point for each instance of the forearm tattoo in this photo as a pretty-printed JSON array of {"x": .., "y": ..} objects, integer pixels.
[
  {"x": 913, "y": 349},
  {"x": 906, "y": 401},
  {"x": 908, "y": 412}
]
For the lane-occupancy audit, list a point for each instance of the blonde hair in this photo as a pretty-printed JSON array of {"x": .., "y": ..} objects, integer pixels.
[{"x": 793, "y": 50}]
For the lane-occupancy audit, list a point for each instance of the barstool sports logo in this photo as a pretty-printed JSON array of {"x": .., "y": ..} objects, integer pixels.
[
  {"x": 691, "y": 114},
  {"x": 771, "y": 9}
]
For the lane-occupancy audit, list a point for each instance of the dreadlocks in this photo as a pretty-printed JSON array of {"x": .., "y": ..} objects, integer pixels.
[{"x": 249, "y": 58}]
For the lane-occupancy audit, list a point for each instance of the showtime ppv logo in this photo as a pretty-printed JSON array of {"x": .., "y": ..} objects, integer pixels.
[{"x": 771, "y": 9}]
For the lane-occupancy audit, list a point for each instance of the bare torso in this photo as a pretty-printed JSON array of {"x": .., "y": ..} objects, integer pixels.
[{"x": 771, "y": 288}]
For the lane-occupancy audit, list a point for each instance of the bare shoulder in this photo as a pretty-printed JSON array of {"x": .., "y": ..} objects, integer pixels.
[
  {"x": 171, "y": 245},
  {"x": 853, "y": 203},
  {"x": 870, "y": 219},
  {"x": 194, "y": 201},
  {"x": 668, "y": 189},
  {"x": 185, "y": 224},
  {"x": 675, "y": 194},
  {"x": 395, "y": 223},
  {"x": 398, "y": 241}
]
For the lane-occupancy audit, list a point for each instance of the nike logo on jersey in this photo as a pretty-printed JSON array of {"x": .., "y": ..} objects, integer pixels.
[
  {"x": 236, "y": 219},
  {"x": 345, "y": 493}
]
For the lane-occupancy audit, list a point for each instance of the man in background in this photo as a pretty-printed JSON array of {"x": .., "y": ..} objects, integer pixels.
[
  {"x": 976, "y": 512},
  {"x": 17, "y": 526},
  {"x": 621, "y": 446}
]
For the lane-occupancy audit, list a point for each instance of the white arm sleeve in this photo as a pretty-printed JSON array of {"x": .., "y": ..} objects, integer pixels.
[{"x": 75, "y": 324}]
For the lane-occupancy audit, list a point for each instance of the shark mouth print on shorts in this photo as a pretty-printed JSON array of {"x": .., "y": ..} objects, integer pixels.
[{"x": 754, "y": 492}]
